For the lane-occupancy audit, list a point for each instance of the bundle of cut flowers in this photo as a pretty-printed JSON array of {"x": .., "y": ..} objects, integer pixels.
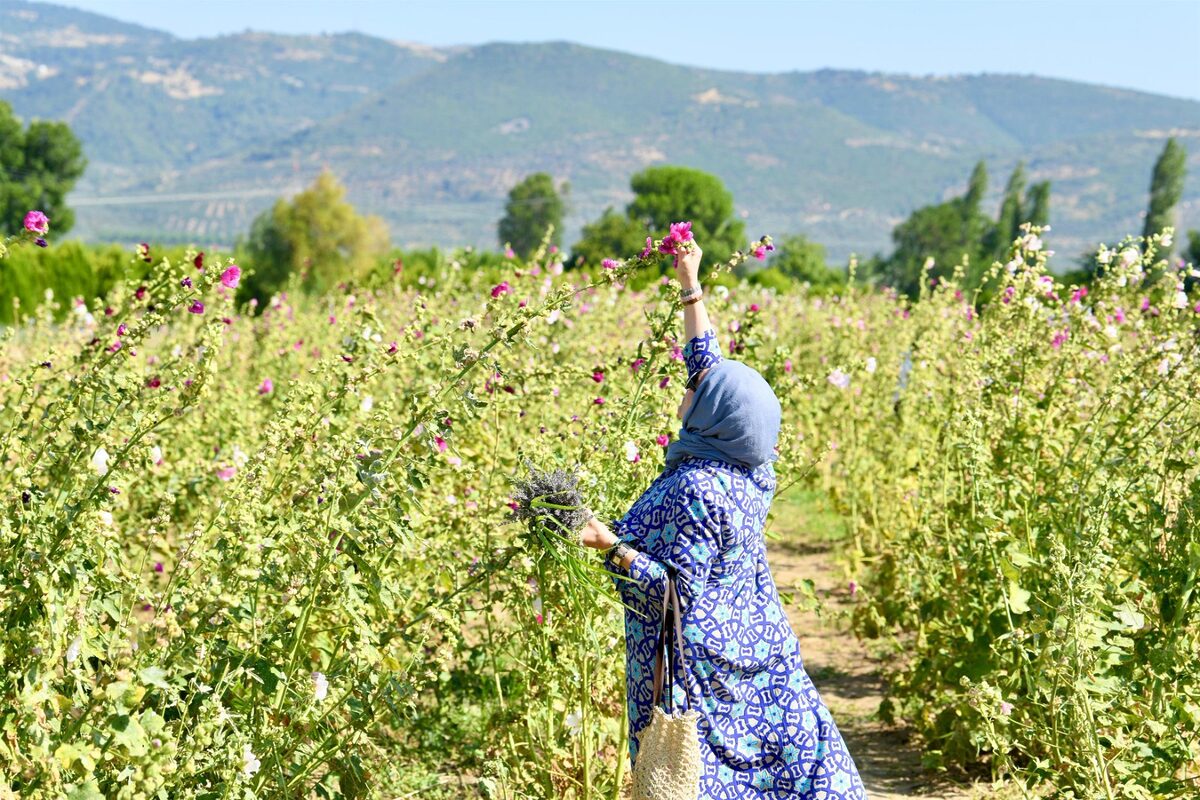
[{"x": 554, "y": 514}]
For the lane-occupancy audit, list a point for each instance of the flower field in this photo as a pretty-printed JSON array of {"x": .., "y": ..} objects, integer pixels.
[{"x": 271, "y": 552}]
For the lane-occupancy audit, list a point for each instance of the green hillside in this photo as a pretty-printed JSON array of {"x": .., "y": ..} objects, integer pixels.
[{"x": 189, "y": 138}]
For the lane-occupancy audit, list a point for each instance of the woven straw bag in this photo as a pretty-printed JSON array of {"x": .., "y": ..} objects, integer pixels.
[{"x": 668, "y": 760}]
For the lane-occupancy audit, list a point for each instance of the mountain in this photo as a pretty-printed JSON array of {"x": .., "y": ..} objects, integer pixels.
[{"x": 189, "y": 138}]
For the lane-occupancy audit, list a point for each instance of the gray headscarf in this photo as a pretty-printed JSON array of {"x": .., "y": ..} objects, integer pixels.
[{"x": 734, "y": 417}]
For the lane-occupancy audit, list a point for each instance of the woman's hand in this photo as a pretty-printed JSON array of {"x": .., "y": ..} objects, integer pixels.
[
  {"x": 687, "y": 266},
  {"x": 596, "y": 534}
]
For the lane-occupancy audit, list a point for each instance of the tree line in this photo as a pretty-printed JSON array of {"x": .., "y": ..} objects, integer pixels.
[{"x": 322, "y": 239}]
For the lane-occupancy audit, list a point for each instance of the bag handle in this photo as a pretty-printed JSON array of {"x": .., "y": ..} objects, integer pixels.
[{"x": 670, "y": 618}]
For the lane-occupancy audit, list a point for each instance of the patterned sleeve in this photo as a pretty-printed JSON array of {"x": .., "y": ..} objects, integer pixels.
[
  {"x": 702, "y": 352},
  {"x": 688, "y": 539}
]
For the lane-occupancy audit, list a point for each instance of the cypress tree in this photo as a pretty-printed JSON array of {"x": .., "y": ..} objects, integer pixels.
[{"x": 1166, "y": 187}]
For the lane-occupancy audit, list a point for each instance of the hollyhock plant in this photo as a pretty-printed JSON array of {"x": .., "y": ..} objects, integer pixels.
[
  {"x": 231, "y": 276},
  {"x": 196, "y": 307},
  {"x": 37, "y": 222}
]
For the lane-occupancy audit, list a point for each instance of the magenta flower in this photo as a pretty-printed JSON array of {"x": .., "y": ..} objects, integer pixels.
[
  {"x": 501, "y": 289},
  {"x": 853, "y": 588},
  {"x": 231, "y": 276},
  {"x": 122, "y": 329},
  {"x": 186, "y": 283},
  {"x": 608, "y": 263},
  {"x": 198, "y": 261},
  {"x": 599, "y": 401},
  {"x": 662, "y": 440},
  {"x": 1079, "y": 294},
  {"x": 143, "y": 252},
  {"x": 760, "y": 252},
  {"x": 158, "y": 566},
  {"x": 787, "y": 365},
  {"x": 196, "y": 307},
  {"x": 1059, "y": 338},
  {"x": 753, "y": 307},
  {"x": 441, "y": 444},
  {"x": 392, "y": 348},
  {"x": 598, "y": 376},
  {"x": 649, "y": 248},
  {"x": 637, "y": 364},
  {"x": 140, "y": 294},
  {"x": 37, "y": 222},
  {"x": 663, "y": 383},
  {"x": 40, "y": 242},
  {"x": 266, "y": 387}
]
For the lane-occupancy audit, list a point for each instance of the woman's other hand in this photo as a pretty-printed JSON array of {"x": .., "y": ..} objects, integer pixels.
[
  {"x": 596, "y": 534},
  {"x": 687, "y": 266}
]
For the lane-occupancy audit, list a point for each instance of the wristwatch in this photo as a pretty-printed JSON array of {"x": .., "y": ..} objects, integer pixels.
[
  {"x": 688, "y": 292},
  {"x": 616, "y": 554}
]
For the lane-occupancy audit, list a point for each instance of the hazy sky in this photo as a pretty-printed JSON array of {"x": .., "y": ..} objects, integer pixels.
[{"x": 1152, "y": 45}]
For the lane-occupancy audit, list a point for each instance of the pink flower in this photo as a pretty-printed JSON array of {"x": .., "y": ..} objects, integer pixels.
[
  {"x": 608, "y": 263},
  {"x": 787, "y": 365},
  {"x": 508, "y": 253},
  {"x": 853, "y": 586},
  {"x": 1008, "y": 294},
  {"x": 677, "y": 353},
  {"x": 231, "y": 276},
  {"x": 760, "y": 252},
  {"x": 37, "y": 222},
  {"x": 1145, "y": 304},
  {"x": 441, "y": 444},
  {"x": 500, "y": 289},
  {"x": 392, "y": 348},
  {"x": 662, "y": 439},
  {"x": 1059, "y": 338},
  {"x": 637, "y": 364},
  {"x": 266, "y": 387},
  {"x": 122, "y": 329},
  {"x": 1079, "y": 294},
  {"x": 598, "y": 376},
  {"x": 1006, "y": 708},
  {"x": 680, "y": 232},
  {"x": 226, "y": 473},
  {"x": 649, "y": 248},
  {"x": 753, "y": 307},
  {"x": 196, "y": 307},
  {"x": 158, "y": 566},
  {"x": 599, "y": 401},
  {"x": 663, "y": 383}
]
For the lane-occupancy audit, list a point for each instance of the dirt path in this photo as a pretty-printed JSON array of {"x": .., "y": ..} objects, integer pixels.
[{"x": 845, "y": 673}]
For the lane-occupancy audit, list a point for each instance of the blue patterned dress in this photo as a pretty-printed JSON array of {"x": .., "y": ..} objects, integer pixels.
[{"x": 764, "y": 731}]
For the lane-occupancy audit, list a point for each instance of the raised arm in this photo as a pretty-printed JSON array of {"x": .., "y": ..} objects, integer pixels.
[{"x": 687, "y": 270}]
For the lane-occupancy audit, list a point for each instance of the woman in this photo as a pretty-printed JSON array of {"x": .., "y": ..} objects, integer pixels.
[{"x": 764, "y": 731}]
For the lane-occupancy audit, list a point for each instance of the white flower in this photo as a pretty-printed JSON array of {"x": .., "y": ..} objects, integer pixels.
[
  {"x": 1181, "y": 299},
  {"x": 156, "y": 455},
  {"x": 1167, "y": 239},
  {"x": 451, "y": 499},
  {"x": 1129, "y": 256},
  {"x": 722, "y": 291},
  {"x": 367, "y": 403},
  {"x": 320, "y": 686},
  {"x": 239, "y": 458},
  {"x": 105, "y": 517},
  {"x": 872, "y": 365},
  {"x": 553, "y": 316},
  {"x": 73, "y": 649},
  {"x": 631, "y": 451},
  {"x": 839, "y": 379},
  {"x": 1111, "y": 332},
  {"x": 250, "y": 762},
  {"x": 1104, "y": 256},
  {"x": 574, "y": 722},
  {"x": 1017, "y": 261},
  {"x": 100, "y": 461},
  {"x": 1031, "y": 243}
]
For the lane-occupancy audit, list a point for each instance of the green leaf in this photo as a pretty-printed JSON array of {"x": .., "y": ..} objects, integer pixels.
[
  {"x": 1018, "y": 598},
  {"x": 154, "y": 676}
]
